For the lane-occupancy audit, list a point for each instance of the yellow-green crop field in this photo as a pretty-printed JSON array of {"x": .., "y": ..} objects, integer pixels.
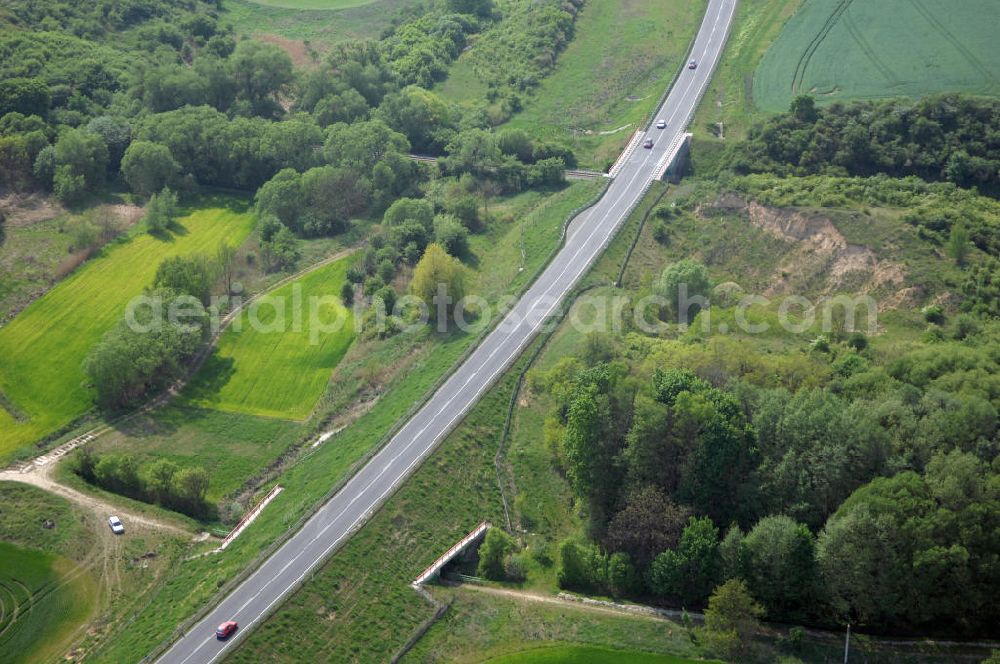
[
  {"x": 43, "y": 348},
  {"x": 277, "y": 358}
]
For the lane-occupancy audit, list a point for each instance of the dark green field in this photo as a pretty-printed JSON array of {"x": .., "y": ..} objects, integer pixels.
[
  {"x": 43, "y": 600},
  {"x": 840, "y": 50}
]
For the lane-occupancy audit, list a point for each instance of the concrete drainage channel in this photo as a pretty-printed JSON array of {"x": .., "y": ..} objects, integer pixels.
[{"x": 244, "y": 523}]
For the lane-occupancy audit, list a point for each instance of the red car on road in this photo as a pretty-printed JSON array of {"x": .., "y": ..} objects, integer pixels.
[{"x": 226, "y": 629}]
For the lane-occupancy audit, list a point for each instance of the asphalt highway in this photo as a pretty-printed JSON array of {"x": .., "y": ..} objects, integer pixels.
[{"x": 335, "y": 521}]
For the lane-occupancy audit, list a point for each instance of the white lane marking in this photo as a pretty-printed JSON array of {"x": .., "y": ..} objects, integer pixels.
[
  {"x": 608, "y": 231},
  {"x": 417, "y": 436}
]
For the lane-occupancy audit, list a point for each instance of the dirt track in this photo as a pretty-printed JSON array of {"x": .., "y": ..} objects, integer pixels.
[{"x": 41, "y": 477}]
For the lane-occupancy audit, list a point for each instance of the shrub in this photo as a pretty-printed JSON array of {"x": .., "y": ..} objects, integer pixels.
[
  {"x": 347, "y": 293},
  {"x": 67, "y": 187},
  {"x": 660, "y": 231},
  {"x": 493, "y": 553},
  {"x": 161, "y": 211},
  {"x": 933, "y": 313},
  {"x": 451, "y": 234},
  {"x": 858, "y": 341}
]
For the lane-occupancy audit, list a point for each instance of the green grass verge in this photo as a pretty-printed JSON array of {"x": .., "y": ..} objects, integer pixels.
[
  {"x": 586, "y": 655},
  {"x": 424, "y": 358},
  {"x": 480, "y": 626},
  {"x": 232, "y": 447},
  {"x": 611, "y": 75},
  {"x": 276, "y": 357},
  {"x": 44, "y": 599},
  {"x": 42, "y": 349},
  {"x": 522, "y": 236},
  {"x": 729, "y": 99},
  {"x": 839, "y": 50}
]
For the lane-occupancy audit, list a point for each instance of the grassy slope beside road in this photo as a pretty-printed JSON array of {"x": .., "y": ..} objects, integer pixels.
[
  {"x": 729, "y": 98},
  {"x": 839, "y": 50},
  {"x": 42, "y": 349},
  {"x": 423, "y": 359},
  {"x": 622, "y": 56},
  {"x": 586, "y": 655},
  {"x": 482, "y": 625},
  {"x": 612, "y": 74},
  {"x": 276, "y": 359}
]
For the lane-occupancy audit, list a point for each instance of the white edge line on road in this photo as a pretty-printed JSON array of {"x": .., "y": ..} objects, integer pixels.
[{"x": 529, "y": 336}]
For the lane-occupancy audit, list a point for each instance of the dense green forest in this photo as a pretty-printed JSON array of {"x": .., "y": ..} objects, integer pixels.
[
  {"x": 162, "y": 99},
  {"x": 856, "y": 479},
  {"x": 952, "y": 138},
  {"x": 841, "y": 482},
  {"x": 838, "y": 487},
  {"x": 233, "y": 113}
]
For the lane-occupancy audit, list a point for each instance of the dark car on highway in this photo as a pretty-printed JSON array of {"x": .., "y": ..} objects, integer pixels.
[{"x": 648, "y": 144}]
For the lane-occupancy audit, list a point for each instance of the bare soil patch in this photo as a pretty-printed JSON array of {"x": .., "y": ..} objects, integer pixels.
[{"x": 296, "y": 50}]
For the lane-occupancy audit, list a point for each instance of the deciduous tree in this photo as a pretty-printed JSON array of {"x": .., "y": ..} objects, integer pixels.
[
  {"x": 438, "y": 271},
  {"x": 149, "y": 167},
  {"x": 494, "y": 551},
  {"x": 731, "y": 621}
]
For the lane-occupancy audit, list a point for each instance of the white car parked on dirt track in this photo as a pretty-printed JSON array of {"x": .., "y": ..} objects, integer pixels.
[{"x": 117, "y": 527}]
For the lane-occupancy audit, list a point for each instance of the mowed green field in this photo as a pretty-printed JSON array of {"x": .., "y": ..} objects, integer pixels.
[
  {"x": 586, "y": 655},
  {"x": 42, "y": 349},
  {"x": 623, "y": 55},
  {"x": 276, "y": 358},
  {"x": 855, "y": 49},
  {"x": 232, "y": 447},
  {"x": 43, "y": 599}
]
